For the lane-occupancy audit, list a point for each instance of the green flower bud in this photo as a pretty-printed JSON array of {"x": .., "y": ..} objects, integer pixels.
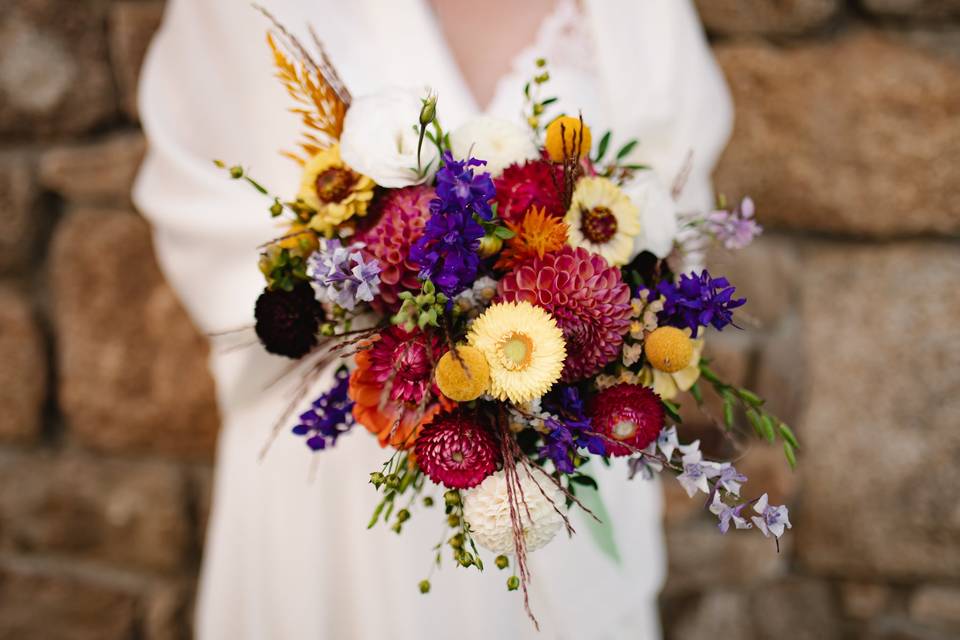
[
  {"x": 465, "y": 559},
  {"x": 427, "y": 501},
  {"x": 403, "y": 515},
  {"x": 327, "y": 329},
  {"x": 452, "y": 497},
  {"x": 424, "y": 586},
  {"x": 541, "y": 62},
  {"x": 236, "y": 172},
  {"x": 428, "y": 112},
  {"x": 489, "y": 245},
  {"x": 453, "y": 520},
  {"x": 502, "y": 562},
  {"x": 393, "y": 481},
  {"x": 377, "y": 479},
  {"x": 513, "y": 583},
  {"x": 456, "y": 541},
  {"x": 276, "y": 208},
  {"x": 397, "y": 527}
]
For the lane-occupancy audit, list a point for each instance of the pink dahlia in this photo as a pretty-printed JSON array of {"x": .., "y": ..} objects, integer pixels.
[
  {"x": 397, "y": 219},
  {"x": 457, "y": 451},
  {"x": 629, "y": 413},
  {"x": 536, "y": 183},
  {"x": 405, "y": 361},
  {"x": 586, "y": 296}
]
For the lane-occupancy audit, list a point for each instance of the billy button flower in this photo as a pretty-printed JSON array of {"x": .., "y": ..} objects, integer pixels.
[{"x": 567, "y": 137}]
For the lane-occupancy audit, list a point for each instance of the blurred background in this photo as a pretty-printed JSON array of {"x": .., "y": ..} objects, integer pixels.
[{"x": 847, "y": 136}]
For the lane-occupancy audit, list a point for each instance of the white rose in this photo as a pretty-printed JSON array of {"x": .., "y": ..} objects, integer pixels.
[
  {"x": 500, "y": 142},
  {"x": 658, "y": 214},
  {"x": 379, "y": 138}
]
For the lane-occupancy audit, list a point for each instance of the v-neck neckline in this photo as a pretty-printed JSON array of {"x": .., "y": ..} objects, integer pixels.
[{"x": 442, "y": 40}]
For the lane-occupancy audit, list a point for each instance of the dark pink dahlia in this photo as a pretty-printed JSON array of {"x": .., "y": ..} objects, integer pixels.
[
  {"x": 536, "y": 183},
  {"x": 588, "y": 298},
  {"x": 455, "y": 450},
  {"x": 405, "y": 361},
  {"x": 629, "y": 413},
  {"x": 398, "y": 218}
]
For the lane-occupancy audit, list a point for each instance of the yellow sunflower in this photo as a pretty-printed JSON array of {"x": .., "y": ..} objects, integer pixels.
[
  {"x": 668, "y": 385},
  {"x": 603, "y": 220},
  {"x": 524, "y": 348},
  {"x": 333, "y": 190}
]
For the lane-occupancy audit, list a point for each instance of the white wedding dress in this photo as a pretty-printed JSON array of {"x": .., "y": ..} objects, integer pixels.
[{"x": 287, "y": 556}]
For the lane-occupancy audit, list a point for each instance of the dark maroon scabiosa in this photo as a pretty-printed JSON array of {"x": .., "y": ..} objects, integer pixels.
[
  {"x": 403, "y": 361},
  {"x": 287, "y": 321},
  {"x": 457, "y": 451},
  {"x": 629, "y": 413}
]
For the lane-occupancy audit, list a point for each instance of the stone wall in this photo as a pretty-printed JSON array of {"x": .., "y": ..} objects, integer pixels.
[{"x": 848, "y": 137}]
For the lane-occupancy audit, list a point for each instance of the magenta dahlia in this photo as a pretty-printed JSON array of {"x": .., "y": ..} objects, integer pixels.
[
  {"x": 629, "y": 413},
  {"x": 586, "y": 296},
  {"x": 536, "y": 183},
  {"x": 398, "y": 218},
  {"x": 405, "y": 361},
  {"x": 457, "y": 451}
]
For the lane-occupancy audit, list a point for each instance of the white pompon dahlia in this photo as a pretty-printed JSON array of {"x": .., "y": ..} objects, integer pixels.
[
  {"x": 500, "y": 142},
  {"x": 486, "y": 509},
  {"x": 379, "y": 138}
]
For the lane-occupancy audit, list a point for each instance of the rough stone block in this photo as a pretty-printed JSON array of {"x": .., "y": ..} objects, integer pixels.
[
  {"x": 133, "y": 370},
  {"x": 765, "y": 17},
  {"x": 132, "y": 25},
  {"x": 855, "y": 136},
  {"x": 101, "y": 172},
  {"x": 879, "y": 432},
  {"x": 23, "y": 369}
]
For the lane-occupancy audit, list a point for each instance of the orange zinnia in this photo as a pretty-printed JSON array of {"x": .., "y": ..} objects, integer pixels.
[
  {"x": 536, "y": 235},
  {"x": 396, "y": 423}
]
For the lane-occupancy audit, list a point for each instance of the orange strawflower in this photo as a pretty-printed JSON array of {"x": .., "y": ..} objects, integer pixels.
[
  {"x": 396, "y": 423},
  {"x": 536, "y": 234}
]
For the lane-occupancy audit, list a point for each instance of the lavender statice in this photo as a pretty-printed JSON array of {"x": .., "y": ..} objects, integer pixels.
[
  {"x": 459, "y": 189},
  {"x": 447, "y": 250},
  {"x": 569, "y": 429},
  {"x": 330, "y": 415},
  {"x": 735, "y": 229},
  {"x": 697, "y": 301},
  {"x": 773, "y": 520},
  {"x": 342, "y": 275}
]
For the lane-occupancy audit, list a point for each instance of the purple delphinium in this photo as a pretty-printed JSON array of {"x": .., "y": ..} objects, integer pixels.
[
  {"x": 459, "y": 189},
  {"x": 342, "y": 276},
  {"x": 730, "y": 479},
  {"x": 447, "y": 250},
  {"x": 773, "y": 520},
  {"x": 697, "y": 301},
  {"x": 735, "y": 229},
  {"x": 569, "y": 427},
  {"x": 330, "y": 415},
  {"x": 727, "y": 514}
]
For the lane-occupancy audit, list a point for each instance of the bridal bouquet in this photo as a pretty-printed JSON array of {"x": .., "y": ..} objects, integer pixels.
[{"x": 508, "y": 302}]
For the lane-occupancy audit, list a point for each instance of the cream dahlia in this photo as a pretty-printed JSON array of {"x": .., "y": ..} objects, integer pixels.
[
  {"x": 587, "y": 297},
  {"x": 602, "y": 219},
  {"x": 397, "y": 221},
  {"x": 486, "y": 509},
  {"x": 524, "y": 348}
]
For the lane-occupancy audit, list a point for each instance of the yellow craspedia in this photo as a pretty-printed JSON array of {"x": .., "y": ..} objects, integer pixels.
[
  {"x": 563, "y": 138},
  {"x": 668, "y": 349},
  {"x": 463, "y": 379}
]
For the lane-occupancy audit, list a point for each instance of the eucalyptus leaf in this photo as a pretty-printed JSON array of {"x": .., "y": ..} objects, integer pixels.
[
  {"x": 626, "y": 149},
  {"x": 602, "y": 148}
]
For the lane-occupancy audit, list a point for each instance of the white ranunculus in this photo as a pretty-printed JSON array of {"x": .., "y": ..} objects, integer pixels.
[
  {"x": 379, "y": 138},
  {"x": 658, "y": 214},
  {"x": 500, "y": 142}
]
